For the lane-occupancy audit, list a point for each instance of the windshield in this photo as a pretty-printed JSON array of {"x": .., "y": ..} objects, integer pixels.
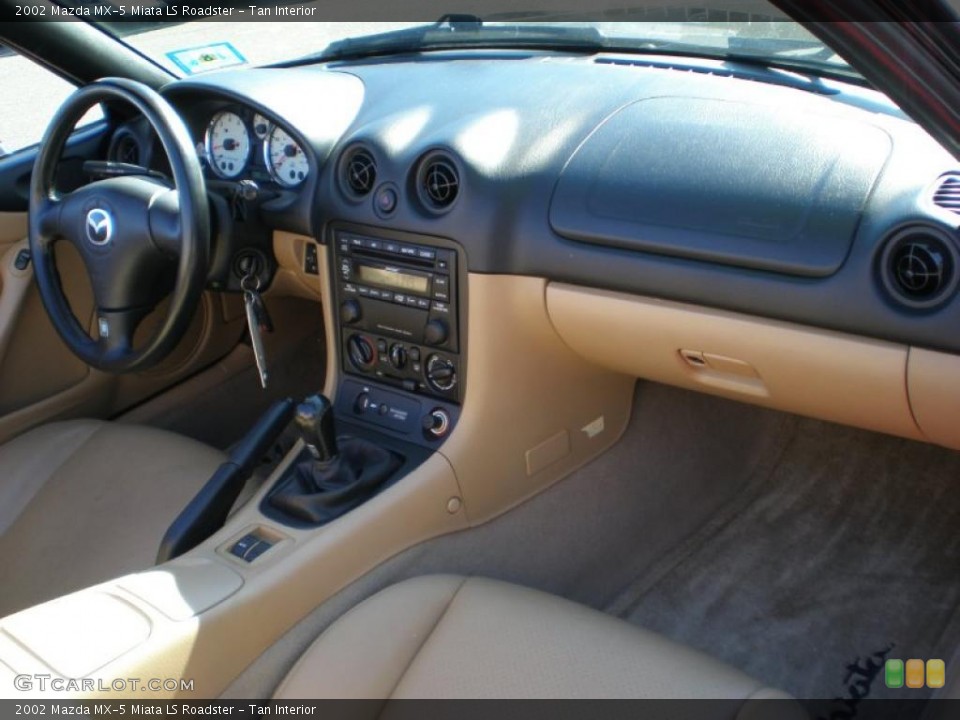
[{"x": 188, "y": 48}]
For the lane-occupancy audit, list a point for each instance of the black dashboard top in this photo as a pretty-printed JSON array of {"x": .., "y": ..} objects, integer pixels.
[{"x": 776, "y": 195}]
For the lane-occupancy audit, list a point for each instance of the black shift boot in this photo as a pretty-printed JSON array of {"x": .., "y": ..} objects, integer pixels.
[{"x": 338, "y": 476}]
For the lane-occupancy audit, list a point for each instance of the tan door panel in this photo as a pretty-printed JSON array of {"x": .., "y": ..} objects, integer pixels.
[{"x": 41, "y": 380}]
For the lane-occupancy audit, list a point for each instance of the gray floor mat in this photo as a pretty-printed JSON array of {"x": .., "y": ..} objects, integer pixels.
[{"x": 849, "y": 547}]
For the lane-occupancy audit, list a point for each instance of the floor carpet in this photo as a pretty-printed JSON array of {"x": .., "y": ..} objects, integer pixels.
[{"x": 847, "y": 554}]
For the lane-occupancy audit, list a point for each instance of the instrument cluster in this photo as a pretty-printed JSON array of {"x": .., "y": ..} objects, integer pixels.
[{"x": 239, "y": 143}]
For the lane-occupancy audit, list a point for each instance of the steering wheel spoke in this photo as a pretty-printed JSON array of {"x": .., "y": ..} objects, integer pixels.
[
  {"x": 46, "y": 219},
  {"x": 115, "y": 332}
]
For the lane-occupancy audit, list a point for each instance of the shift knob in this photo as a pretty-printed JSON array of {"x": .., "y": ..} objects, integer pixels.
[{"x": 314, "y": 418}]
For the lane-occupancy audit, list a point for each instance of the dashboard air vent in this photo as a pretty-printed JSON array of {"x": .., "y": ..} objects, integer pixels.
[
  {"x": 919, "y": 267},
  {"x": 360, "y": 172},
  {"x": 438, "y": 182},
  {"x": 947, "y": 194}
]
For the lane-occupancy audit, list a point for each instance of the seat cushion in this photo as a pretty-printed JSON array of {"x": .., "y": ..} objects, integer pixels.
[
  {"x": 84, "y": 501},
  {"x": 455, "y": 637}
]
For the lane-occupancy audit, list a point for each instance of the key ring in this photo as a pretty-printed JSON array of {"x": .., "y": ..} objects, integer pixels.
[{"x": 245, "y": 286}]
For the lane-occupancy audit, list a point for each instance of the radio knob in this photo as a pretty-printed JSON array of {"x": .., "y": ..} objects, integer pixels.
[
  {"x": 436, "y": 332},
  {"x": 441, "y": 373},
  {"x": 350, "y": 311},
  {"x": 398, "y": 356},
  {"x": 360, "y": 351}
]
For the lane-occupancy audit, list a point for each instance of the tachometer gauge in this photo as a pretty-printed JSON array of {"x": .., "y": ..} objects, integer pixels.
[
  {"x": 261, "y": 126},
  {"x": 285, "y": 158},
  {"x": 228, "y": 144}
]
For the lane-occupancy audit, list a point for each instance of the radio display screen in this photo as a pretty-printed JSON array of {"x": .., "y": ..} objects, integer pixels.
[{"x": 396, "y": 280}]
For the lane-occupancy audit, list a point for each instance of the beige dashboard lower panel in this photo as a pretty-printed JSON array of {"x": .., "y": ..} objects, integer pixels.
[
  {"x": 533, "y": 411},
  {"x": 828, "y": 375},
  {"x": 933, "y": 381}
]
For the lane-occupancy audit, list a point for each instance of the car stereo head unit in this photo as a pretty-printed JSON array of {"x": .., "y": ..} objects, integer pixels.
[{"x": 398, "y": 312}]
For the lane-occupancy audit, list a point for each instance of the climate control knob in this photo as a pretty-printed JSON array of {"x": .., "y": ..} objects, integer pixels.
[
  {"x": 436, "y": 332},
  {"x": 360, "y": 352},
  {"x": 398, "y": 356},
  {"x": 350, "y": 311},
  {"x": 441, "y": 373}
]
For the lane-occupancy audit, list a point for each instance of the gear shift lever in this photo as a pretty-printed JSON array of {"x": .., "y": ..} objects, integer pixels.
[
  {"x": 338, "y": 477},
  {"x": 314, "y": 419}
]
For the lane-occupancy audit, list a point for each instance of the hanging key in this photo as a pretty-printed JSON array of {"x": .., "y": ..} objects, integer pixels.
[{"x": 258, "y": 322}]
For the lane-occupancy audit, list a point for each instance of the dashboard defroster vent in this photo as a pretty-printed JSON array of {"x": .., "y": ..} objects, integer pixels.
[
  {"x": 438, "y": 182},
  {"x": 947, "y": 194},
  {"x": 359, "y": 172},
  {"x": 919, "y": 267}
]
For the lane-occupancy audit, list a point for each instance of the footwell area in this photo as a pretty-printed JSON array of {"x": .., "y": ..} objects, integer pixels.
[{"x": 850, "y": 548}]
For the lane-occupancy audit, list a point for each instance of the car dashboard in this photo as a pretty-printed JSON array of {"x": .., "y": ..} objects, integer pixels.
[{"x": 733, "y": 193}]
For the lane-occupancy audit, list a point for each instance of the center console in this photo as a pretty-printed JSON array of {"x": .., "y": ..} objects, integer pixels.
[{"x": 399, "y": 306}]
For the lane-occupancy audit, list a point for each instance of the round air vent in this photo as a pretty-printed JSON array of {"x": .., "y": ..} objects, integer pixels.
[
  {"x": 359, "y": 172},
  {"x": 919, "y": 267},
  {"x": 438, "y": 182}
]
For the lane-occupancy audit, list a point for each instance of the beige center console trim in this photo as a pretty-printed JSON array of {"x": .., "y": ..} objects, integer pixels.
[{"x": 819, "y": 373}]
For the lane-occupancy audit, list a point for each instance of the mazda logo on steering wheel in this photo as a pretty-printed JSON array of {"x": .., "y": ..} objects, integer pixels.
[{"x": 99, "y": 226}]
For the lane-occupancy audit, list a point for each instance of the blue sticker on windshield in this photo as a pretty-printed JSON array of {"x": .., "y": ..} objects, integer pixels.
[{"x": 206, "y": 57}]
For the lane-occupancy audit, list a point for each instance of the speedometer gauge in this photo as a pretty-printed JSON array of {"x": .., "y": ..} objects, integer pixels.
[
  {"x": 285, "y": 158},
  {"x": 228, "y": 144}
]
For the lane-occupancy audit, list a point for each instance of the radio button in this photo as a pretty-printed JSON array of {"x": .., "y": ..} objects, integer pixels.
[
  {"x": 350, "y": 288},
  {"x": 439, "y": 294},
  {"x": 436, "y": 332},
  {"x": 441, "y": 281},
  {"x": 426, "y": 253},
  {"x": 441, "y": 308},
  {"x": 364, "y": 291},
  {"x": 392, "y": 247},
  {"x": 374, "y": 244},
  {"x": 350, "y": 311},
  {"x": 408, "y": 251},
  {"x": 400, "y": 298},
  {"x": 423, "y": 303},
  {"x": 442, "y": 265},
  {"x": 412, "y": 301},
  {"x": 356, "y": 242},
  {"x": 346, "y": 269}
]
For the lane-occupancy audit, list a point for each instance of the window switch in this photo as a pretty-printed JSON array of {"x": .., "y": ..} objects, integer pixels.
[
  {"x": 257, "y": 550},
  {"x": 244, "y": 545}
]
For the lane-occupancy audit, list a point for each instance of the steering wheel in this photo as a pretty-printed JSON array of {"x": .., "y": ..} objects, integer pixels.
[{"x": 133, "y": 233}]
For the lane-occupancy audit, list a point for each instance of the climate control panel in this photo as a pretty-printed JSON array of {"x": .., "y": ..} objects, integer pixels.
[{"x": 398, "y": 316}]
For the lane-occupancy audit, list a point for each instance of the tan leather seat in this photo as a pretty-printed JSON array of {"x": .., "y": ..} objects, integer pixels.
[
  {"x": 455, "y": 637},
  {"x": 84, "y": 501}
]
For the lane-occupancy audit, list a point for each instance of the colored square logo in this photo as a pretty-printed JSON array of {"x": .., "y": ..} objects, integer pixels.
[
  {"x": 915, "y": 673},
  {"x": 893, "y": 673},
  {"x": 936, "y": 673}
]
